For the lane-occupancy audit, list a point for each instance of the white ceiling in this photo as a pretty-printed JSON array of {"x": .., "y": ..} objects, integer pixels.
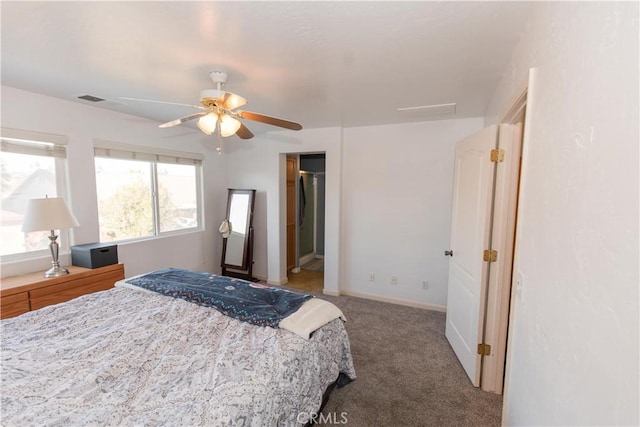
[{"x": 318, "y": 63}]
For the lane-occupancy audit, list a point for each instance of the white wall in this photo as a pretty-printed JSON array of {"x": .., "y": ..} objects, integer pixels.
[
  {"x": 82, "y": 124},
  {"x": 246, "y": 169},
  {"x": 367, "y": 235},
  {"x": 388, "y": 206},
  {"x": 397, "y": 192},
  {"x": 260, "y": 164},
  {"x": 573, "y": 349}
]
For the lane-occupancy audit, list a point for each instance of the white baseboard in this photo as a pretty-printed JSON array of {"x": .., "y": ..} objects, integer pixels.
[
  {"x": 307, "y": 258},
  {"x": 399, "y": 301}
]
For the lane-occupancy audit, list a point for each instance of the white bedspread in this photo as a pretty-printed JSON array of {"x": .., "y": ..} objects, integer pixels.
[{"x": 122, "y": 357}]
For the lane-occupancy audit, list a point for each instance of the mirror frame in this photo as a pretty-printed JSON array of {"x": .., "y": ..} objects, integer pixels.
[{"x": 243, "y": 271}]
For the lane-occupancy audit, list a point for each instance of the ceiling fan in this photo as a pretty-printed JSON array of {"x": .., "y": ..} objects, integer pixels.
[{"x": 219, "y": 113}]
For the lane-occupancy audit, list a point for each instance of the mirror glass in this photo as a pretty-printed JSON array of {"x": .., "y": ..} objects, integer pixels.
[{"x": 239, "y": 210}]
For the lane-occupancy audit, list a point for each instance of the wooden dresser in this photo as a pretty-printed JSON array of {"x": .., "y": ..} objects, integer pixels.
[{"x": 19, "y": 294}]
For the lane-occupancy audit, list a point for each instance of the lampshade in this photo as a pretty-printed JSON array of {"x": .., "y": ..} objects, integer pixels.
[
  {"x": 47, "y": 214},
  {"x": 228, "y": 125},
  {"x": 207, "y": 124}
]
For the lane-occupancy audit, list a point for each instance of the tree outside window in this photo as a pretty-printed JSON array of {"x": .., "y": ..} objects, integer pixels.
[{"x": 139, "y": 199}]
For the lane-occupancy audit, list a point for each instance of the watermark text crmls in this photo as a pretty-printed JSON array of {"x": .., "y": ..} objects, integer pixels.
[{"x": 330, "y": 418}]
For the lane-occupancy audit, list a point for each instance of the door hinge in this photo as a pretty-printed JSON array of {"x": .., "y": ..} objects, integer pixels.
[
  {"x": 490, "y": 255},
  {"x": 484, "y": 349},
  {"x": 497, "y": 156}
]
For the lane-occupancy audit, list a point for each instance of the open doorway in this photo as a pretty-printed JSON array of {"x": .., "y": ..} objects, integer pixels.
[{"x": 306, "y": 227}]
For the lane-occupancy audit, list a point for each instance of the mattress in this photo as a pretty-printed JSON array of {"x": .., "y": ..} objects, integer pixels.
[{"x": 130, "y": 357}]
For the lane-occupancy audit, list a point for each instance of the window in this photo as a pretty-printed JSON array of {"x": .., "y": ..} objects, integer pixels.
[
  {"x": 32, "y": 165},
  {"x": 145, "y": 192}
]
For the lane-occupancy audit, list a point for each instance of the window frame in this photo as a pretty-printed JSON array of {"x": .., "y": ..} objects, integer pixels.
[
  {"x": 154, "y": 156},
  {"x": 34, "y": 143}
]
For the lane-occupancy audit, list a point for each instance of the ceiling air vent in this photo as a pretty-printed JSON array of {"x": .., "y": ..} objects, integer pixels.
[{"x": 90, "y": 98}]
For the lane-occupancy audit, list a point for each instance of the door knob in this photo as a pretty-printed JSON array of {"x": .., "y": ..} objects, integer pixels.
[{"x": 448, "y": 253}]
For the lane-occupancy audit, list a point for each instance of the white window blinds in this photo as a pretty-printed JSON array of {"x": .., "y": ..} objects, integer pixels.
[
  {"x": 33, "y": 143},
  {"x": 149, "y": 154}
]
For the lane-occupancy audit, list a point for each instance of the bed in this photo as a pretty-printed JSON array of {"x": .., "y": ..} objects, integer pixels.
[{"x": 134, "y": 356}]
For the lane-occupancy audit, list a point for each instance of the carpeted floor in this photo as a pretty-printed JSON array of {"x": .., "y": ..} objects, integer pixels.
[{"x": 407, "y": 373}]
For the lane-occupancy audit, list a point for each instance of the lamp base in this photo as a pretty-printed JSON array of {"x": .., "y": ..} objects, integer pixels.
[{"x": 56, "y": 271}]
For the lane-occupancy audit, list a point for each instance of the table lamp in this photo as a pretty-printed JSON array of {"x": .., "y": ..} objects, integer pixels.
[{"x": 49, "y": 214}]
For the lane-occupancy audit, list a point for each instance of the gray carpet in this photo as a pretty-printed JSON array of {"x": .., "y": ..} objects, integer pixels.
[{"x": 407, "y": 373}]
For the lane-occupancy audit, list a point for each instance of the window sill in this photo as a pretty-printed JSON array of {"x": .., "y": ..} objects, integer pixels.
[{"x": 167, "y": 235}]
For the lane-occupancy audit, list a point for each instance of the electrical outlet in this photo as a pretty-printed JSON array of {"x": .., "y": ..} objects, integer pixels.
[
  {"x": 394, "y": 280},
  {"x": 425, "y": 285},
  {"x": 372, "y": 277}
]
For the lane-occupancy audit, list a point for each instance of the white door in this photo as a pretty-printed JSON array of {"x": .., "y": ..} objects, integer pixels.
[{"x": 470, "y": 233}]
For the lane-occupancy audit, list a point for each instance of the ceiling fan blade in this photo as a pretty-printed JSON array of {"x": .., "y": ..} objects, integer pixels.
[
  {"x": 269, "y": 120},
  {"x": 231, "y": 101},
  {"x": 200, "y": 107},
  {"x": 243, "y": 132},
  {"x": 181, "y": 120}
]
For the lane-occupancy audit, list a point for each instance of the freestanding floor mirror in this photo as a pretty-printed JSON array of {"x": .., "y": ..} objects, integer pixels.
[{"x": 237, "y": 248}]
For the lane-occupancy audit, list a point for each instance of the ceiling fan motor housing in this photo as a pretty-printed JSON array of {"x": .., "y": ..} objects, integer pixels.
[{"x": 210, "y": 96}]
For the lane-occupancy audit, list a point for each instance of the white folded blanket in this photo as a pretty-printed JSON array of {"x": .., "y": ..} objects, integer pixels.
[{"x": 312, "y": 315}]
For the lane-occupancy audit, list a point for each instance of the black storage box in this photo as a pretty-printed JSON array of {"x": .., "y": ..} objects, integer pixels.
[{"x": 94, "y": 255}]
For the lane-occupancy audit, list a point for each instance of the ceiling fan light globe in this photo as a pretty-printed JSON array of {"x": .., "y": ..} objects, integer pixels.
[
  {"x": 207, "y": 124},
  {"x": 228, "y": 125}
]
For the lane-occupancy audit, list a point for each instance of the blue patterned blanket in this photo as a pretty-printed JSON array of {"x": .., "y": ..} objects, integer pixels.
[{"x": 250, "y": 302}]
